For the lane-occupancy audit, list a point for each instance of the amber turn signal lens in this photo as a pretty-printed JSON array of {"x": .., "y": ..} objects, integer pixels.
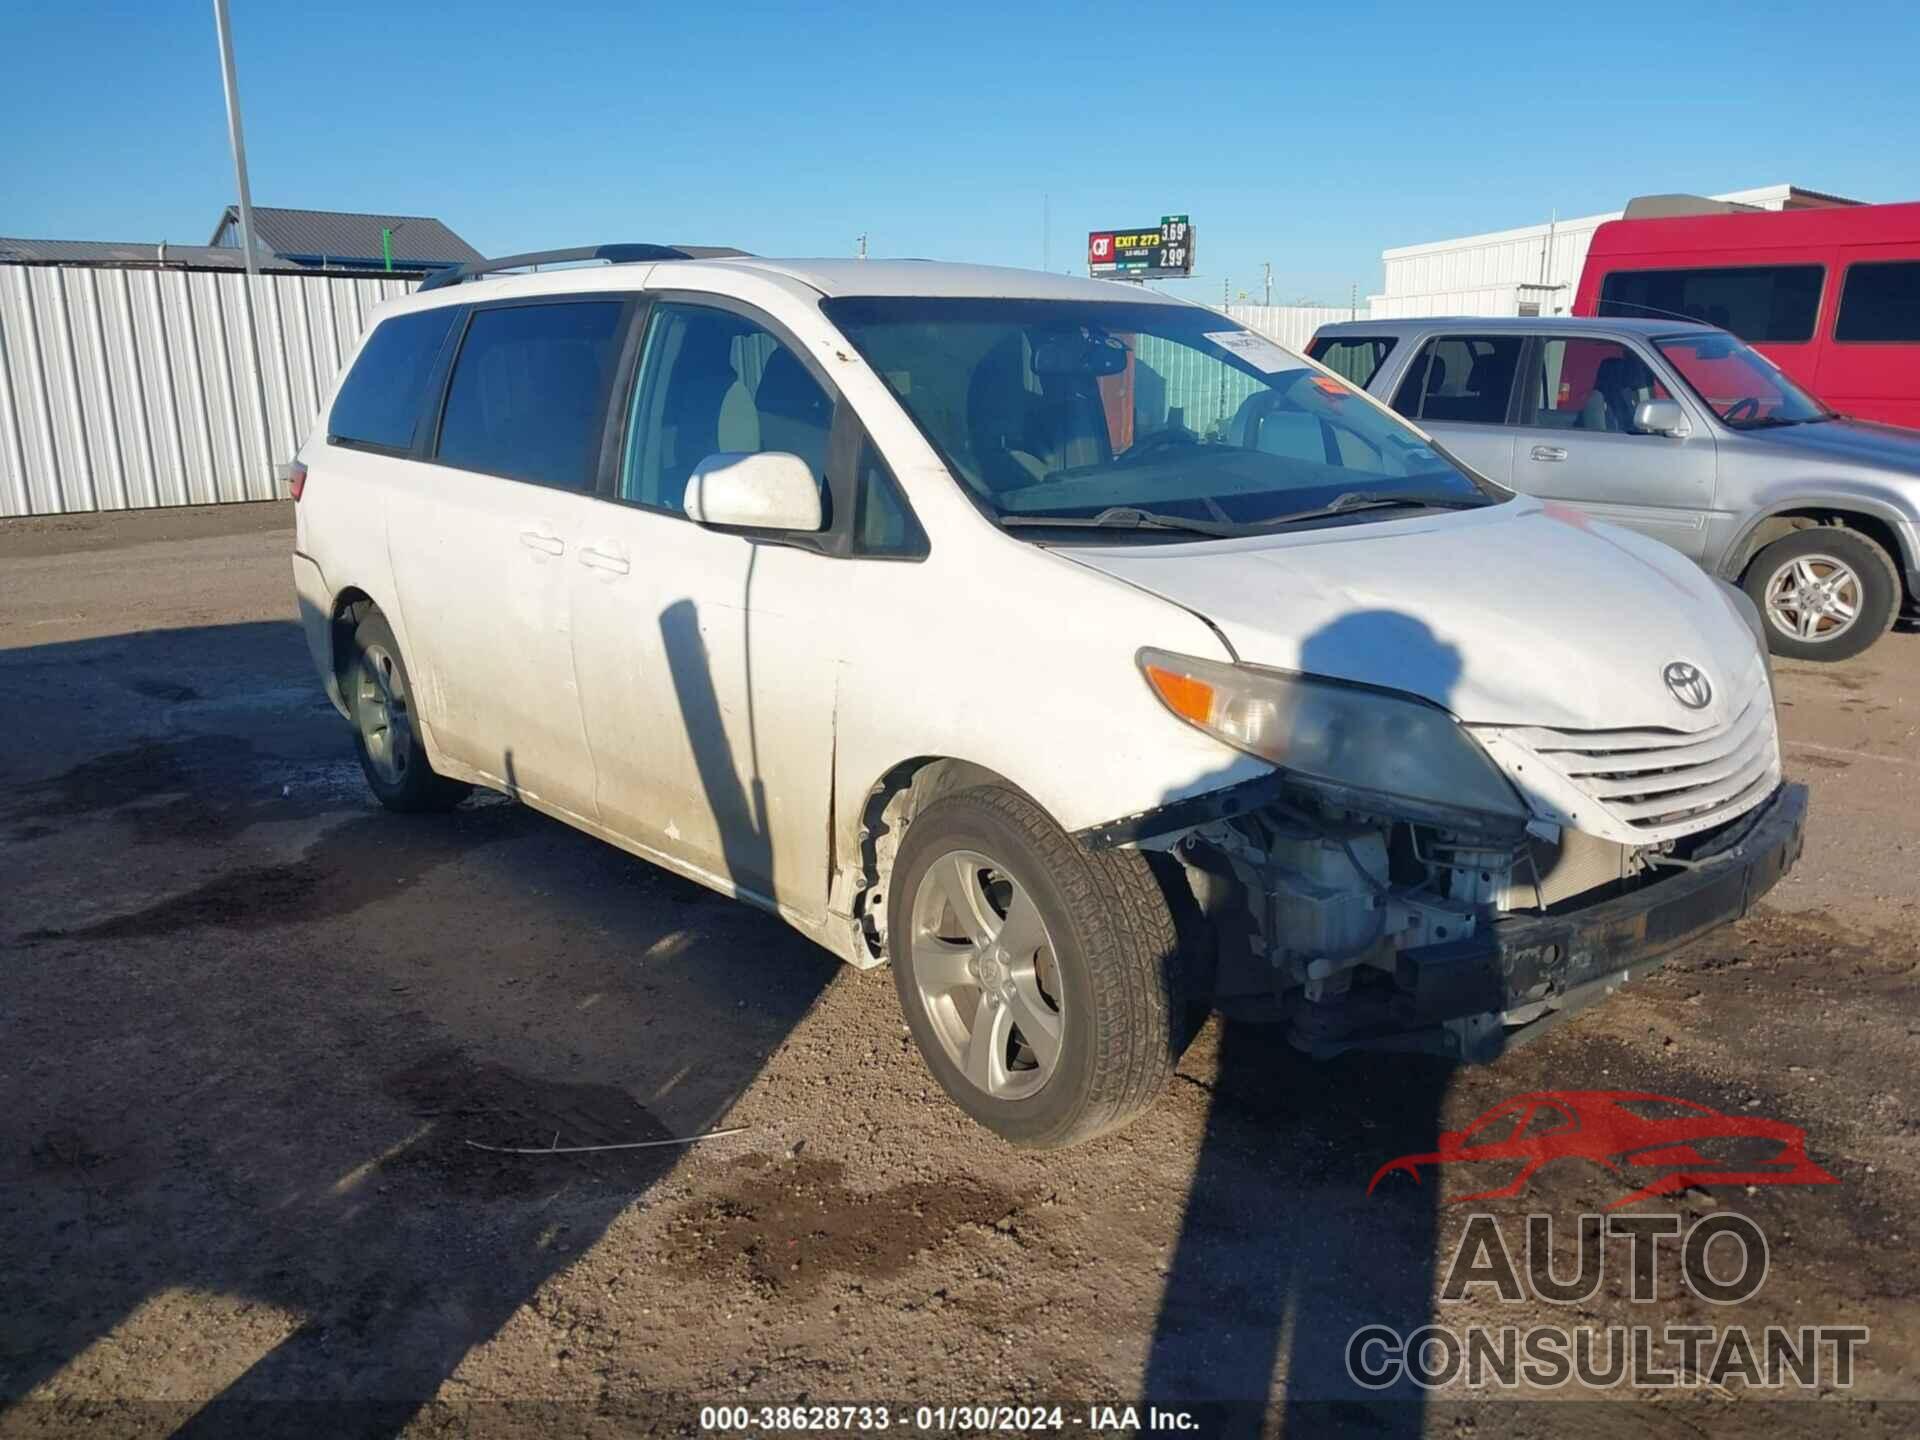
[{"x": 1187, "y": 697}]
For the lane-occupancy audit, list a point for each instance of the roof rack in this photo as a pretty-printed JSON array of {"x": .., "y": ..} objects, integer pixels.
[{"x": 612, "y": 254}]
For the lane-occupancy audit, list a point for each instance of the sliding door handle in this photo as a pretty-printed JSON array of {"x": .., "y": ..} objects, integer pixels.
[
  {"x": 544, "y": 543},
  {"x": 600, "y": 560}
]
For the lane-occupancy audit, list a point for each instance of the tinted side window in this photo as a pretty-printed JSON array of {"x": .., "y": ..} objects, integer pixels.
[
  {"x": 1461, "y": 379},
  {"x": 882, "y": 523},
  {"x": 1578, "y": 384},
  {"x": 1755, "y": 302},
  {"x": 529, "y": 392},
  {"x": 713, "y": 382},
  {"x": 1352, "y": 357},
  {"x": 1880, "y": 303},
  {"x": 380, "y": 401}
]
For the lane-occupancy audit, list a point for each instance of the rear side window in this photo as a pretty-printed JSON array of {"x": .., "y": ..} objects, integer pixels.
[
  {"x": 381, "y": 400},
  {"x": 1880, "y": 303},
  {"x": 1756, "y": 302},
  {"x": 1353, "y": 357},
  {"x": 529, "y": 392},
  {"x": 1461, "y": 379}
]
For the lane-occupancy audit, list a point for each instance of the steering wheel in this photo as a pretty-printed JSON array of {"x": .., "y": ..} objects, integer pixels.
[{"x": 1742, "y": 408}]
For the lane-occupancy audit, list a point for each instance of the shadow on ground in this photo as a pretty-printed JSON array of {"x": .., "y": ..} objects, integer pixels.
[{"x": 252, "y": 1024}]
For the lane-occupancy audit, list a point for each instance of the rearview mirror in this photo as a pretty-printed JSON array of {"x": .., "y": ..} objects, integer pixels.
[
  {"x": 1661, "y": 417},
  {"x": 768, "y": 491}
]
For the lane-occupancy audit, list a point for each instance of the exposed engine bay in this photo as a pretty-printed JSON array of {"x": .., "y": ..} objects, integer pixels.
[{"x": 1344, "y": 925}]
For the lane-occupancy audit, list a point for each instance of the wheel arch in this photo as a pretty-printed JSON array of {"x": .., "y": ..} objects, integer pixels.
[
  {"x": 1864, "y": 517},
  {"x": 881, "y": 820}
]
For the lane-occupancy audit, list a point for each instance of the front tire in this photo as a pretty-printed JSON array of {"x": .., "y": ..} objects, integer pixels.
[
  {"x": 1039, "y": 979},
  {"x": 1826, "y": 593},
  {"x": 379, "y": 697}
]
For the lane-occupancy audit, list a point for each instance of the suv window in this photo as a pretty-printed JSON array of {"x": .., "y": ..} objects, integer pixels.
[
  {"x": 380, "y": 401},
  {"x": 1461, "y": 379},
  {"x": 1755, "y": 302},
  {"x": 529, "y": 392},
  {"x": 1880, "y": 303},
  {"x": 1353, "y": 357},
  {"x": 1581, "y": 384},
  {"x": 711, "y": 382}
]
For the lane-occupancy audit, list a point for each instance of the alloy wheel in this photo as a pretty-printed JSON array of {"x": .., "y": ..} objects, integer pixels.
[
  {"x": 987, "y": 974},
  {"x": 1814, "y": 598}
]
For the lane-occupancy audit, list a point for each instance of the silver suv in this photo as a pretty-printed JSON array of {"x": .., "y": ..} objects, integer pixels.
[{"x": 1679, "y": 431}]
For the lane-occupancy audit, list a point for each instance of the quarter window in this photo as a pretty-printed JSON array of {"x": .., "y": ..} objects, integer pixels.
[
  {"x": 529, "y": 392},
  {"x": 1353, "y": 357},
  {"x": 1880, "y": 303},
  {"x": 1461, "y": 379},
  {"x": 1759, "y": 303},
  {"x": 1579, "y": 384},
  {"x": 713, "y": 382},
  {"x": 381, "y": 400}
]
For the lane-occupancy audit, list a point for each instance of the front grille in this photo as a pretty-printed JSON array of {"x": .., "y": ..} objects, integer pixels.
[{"x": 1665, "y": 782}]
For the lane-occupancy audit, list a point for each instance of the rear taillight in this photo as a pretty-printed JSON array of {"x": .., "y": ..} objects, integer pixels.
[{"x": 296, "y": 478}]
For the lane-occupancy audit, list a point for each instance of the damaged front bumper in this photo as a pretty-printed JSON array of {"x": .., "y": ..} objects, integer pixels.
[{"x": 1518, "y": 976}]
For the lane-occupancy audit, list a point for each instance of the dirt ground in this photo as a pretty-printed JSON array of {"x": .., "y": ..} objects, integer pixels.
[{"x": 248, "y": 1022}]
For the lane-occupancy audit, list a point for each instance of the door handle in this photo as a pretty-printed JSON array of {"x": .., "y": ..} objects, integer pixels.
[
  {"x": 601, "y": 560},
  {"x": 1549, "y": 452},
  {"x": 545, "y": 544}
]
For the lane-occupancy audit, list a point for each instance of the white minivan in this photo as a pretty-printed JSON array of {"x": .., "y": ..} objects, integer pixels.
[{"x": 1085, "y": 656}]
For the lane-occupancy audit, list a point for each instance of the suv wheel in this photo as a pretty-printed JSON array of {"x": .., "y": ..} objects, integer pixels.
[
  {"x": 1037, "y": 977},
  {"x": 380, "y": 697},
  {"x": 1827, "y": 593}
]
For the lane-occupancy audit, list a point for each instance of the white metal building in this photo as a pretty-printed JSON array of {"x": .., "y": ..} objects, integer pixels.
[
  {"x": 1529, "y": 271},
  {"x": 129, "y": 376}
]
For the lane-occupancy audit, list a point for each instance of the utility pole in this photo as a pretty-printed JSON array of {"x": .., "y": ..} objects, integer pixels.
[
  {"x": 860, "y": 242},
  {"x": 1268, "y": 300},
  {"x": 225, "y": 27}
]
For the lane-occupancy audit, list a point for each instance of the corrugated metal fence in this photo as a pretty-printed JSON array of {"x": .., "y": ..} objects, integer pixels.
[{"x": 124, "y": 388}]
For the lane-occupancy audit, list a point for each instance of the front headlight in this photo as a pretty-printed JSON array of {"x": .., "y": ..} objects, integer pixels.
[{"x": 1363, "y": 749}]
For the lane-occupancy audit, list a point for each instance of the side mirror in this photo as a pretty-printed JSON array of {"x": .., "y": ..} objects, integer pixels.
[
  {"x": 1661, "y": 417},
  {"x": 768, "y": 491}
]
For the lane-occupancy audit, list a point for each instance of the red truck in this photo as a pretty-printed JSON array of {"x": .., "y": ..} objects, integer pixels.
[{"x": 1831, "y": 295}]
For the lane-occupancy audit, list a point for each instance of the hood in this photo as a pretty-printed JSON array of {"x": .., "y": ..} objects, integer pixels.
[
  {"x": 1519, "y": 614},
  {"x": 1851, "y": 442}
]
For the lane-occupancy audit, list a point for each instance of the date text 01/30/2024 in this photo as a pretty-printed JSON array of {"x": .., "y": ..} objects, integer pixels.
[{"x": 940, "y": 1419}]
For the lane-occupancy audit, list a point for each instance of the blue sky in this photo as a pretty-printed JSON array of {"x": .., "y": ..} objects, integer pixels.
[{"x": 1309, "y": 135}]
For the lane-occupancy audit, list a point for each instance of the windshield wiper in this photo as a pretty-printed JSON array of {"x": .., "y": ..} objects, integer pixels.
[
  {"x": 1380, "y": 499},
  {"x": 1128, "y": 517}
]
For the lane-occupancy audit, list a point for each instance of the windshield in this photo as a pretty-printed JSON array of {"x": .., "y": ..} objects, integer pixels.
[
  {"x": 1140, "y": 415},
  {"x": 1744, "y": 388}
]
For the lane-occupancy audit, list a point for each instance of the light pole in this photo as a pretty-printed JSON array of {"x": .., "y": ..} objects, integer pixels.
[{"x": 225, "y": 26}]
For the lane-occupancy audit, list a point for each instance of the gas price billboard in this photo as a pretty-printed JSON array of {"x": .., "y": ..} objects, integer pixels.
[{"x": 1143, "y": 252}]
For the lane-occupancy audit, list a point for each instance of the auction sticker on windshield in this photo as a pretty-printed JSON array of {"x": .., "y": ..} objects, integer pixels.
[{"x": 1257, "y": 349}]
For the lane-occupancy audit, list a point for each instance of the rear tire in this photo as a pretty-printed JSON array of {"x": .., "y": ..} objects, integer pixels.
[
  {"x": 1093, "y": 971},
  {"x": 379, "y": 696},
  {"x": 1825, "y": 593}
]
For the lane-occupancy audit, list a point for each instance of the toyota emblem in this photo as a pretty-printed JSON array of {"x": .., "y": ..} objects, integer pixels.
[{"x": 1688, "y": 685}]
